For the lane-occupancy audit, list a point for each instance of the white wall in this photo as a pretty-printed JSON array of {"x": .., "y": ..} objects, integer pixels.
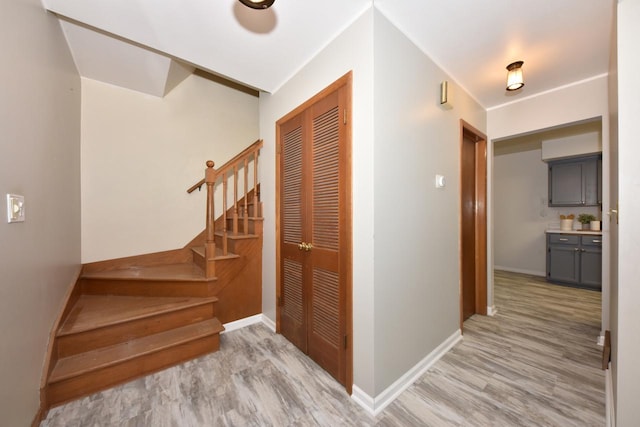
[
  {"x": 522, "y": 214},
  {"x": 628, "y": 296},
  {"x": 40, "y": 159},
  {"x": 140, "y": 153},
  {"x": 351, "y": 50},
  {"x": 417, "y": 289},
  {"x": 571, "y": 104}
]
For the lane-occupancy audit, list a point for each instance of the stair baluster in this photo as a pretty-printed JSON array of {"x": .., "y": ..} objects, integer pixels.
[
  {"x": 257, "y": 208},
  {"x": 235, "y": 200},
  {"x": 210, "y": 244},
  {"x": 246, "y": 193},
  {"x": 224, "y": 213}
]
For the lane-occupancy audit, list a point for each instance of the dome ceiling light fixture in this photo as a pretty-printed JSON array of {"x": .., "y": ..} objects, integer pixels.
[
  {"x": 515, "y": 80},
  {"x": 257, "y": 4}
]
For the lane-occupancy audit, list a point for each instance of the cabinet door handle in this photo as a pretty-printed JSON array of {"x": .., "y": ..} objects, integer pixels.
[
  {"x": 563, "y": 240},
  {"x": 596, "y": 241},
  {"x": 576, "y": 249},
  {"x": 583, "y": 250}
]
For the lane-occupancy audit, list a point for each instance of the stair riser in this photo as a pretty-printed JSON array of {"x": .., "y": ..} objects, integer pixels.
[
  {"x": 150, "y": 288},
  {"x": 102, "y": 337},
  {"x": 91, "y": 382},
  {"x": 239, "y": 284},
  {"x": 220, "y": 263},
  {"x": 235, "y": 246}
]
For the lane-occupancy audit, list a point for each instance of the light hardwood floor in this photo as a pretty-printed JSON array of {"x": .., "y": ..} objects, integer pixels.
[{"x": 534, "y": 364}]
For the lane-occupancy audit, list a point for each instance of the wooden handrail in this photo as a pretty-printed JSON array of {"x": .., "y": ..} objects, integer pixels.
[
  {"x": 229, "y": 165},
  {"x": 210, "y": 179}
]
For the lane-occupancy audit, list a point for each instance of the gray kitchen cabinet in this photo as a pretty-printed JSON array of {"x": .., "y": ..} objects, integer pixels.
[
  {"x": 574, "y": 260},
  {"x": 575, "y": 182},
  {"x": 591, "y": 261}
]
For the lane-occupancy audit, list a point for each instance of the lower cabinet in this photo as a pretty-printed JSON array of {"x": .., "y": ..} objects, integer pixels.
[{"x": 575, "y": 260}]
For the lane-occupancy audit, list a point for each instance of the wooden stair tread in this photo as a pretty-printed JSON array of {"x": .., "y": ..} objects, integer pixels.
[
  {"x": 239, "y": 236},
  {"x": 98, "y": 311},
  {"x": 83, "y": 363},
  {"x": 186, "y": 272},
  {"x": 241, "y": 218},
  {"x": 219, "y": 253}
]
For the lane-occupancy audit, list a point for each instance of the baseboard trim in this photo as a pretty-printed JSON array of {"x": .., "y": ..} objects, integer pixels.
[
  {"x": 247, "y": 321},
  {"x": 269, "y": 323},
  {"x": 610, "y": 415},
  {"x": 375, "y": 405},
  {"x": 491, "y": 310},
  {"x": 520, "y": 270},
  {"x": 241, "y": 323}
]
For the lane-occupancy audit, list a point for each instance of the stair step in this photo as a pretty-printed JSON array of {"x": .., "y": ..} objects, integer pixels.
[
  {"x": 98, "y": 361},
  {"x": 239, "y": 236},
  {"x": 219, "y": 253},
  {"x": 170, "y": 272},
  {"x": 100, "y": 311}
]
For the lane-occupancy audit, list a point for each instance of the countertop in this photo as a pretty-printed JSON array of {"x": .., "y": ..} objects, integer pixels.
[{"x": 585, "y": 232}]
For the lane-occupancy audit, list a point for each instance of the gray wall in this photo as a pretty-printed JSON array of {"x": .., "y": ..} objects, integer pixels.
[
  {"x": 416, "y": 252},
  {"x": 626, "y": 298},
  {"x": 40, "y": 159}
]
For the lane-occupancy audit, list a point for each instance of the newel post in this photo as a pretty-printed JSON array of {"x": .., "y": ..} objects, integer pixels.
[{"x": 210, "y": 244}]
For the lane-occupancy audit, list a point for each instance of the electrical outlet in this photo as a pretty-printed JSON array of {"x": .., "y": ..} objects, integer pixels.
[{"x": 15, "y": 208}]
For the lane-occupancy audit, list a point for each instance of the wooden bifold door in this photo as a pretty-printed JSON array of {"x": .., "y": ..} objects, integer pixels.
[{"x": 314, "y": 219}]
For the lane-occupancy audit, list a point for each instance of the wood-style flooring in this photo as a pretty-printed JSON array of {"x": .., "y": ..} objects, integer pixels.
[{"x": 533, "y": 364}]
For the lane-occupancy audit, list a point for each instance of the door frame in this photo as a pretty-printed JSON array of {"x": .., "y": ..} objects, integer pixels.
[
  {"x": 480, "y": 237},
  {"x": 346, "y": 249}
]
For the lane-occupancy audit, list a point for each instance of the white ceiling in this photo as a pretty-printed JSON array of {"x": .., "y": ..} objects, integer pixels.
[{"x": 560, "y": 41}]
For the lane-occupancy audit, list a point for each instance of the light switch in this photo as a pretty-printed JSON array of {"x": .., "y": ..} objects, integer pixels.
[
  {"x": 440, "y": 181},
  {"x": 15, "y": 208}
]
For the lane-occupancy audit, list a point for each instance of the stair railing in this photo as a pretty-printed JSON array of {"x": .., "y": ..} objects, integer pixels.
[{"x": 231, "y": 168}]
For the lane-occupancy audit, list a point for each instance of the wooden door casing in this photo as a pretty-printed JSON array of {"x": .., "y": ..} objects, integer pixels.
[
  {"x": 468, "y": 214},
  {"x": 473, "y": 222},
  {"x": 314, "y": 190}
]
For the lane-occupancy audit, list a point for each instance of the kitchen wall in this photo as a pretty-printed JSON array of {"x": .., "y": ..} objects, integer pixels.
[
  {"x": 40, "y": 159},
  {"x": 147, "y": 151},
  {"x": 520, "y": 188}
]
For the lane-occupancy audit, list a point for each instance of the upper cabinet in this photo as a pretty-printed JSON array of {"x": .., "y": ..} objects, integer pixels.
[{"x": 576, "y": 181}]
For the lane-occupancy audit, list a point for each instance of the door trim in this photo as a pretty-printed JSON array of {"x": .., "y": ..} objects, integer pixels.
[
  {"x": 480, "y": 218},
  {"x": 346, "y": 246}
]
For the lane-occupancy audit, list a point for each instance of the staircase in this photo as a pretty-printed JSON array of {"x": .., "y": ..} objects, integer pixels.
[{"x": 129, "y": 317}]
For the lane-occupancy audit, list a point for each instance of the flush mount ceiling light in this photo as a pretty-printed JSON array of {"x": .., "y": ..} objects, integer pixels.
[
  {"x": 257, "y": 4},
  {"x": 515, "y": 80}
]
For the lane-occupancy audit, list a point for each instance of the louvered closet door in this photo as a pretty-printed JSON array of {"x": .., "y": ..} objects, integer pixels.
[
  {"x": 293, "y": 323},
  {"x": 326, "y": 303},
  {"x": 312, "y": 290}
]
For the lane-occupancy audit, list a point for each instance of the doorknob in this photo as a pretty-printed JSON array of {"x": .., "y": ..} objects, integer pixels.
[{"x": 305, "y": 246}]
